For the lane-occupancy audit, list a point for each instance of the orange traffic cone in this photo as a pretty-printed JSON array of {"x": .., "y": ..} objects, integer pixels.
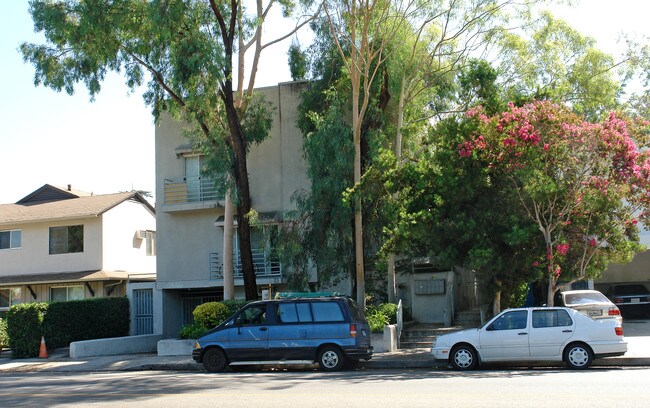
[{"x": 42, "y": 353}]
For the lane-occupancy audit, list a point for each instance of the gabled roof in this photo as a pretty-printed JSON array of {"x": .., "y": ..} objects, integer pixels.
[
  {"x": 51, "y": 193},
  {"x": 27, "y": 210}
]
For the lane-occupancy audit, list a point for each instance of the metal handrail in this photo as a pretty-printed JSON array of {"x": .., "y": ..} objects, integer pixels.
[
  {"x": 190, "y": 190},
  {"x": 264, "y": 264}
]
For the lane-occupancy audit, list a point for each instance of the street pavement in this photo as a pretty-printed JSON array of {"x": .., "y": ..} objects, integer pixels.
[{"x": 637, "y": 334}]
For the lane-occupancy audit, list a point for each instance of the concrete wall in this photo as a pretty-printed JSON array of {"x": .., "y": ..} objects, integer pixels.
[
  {"x": 433, "y": 308},
  {"x": 114, "y": 346}
]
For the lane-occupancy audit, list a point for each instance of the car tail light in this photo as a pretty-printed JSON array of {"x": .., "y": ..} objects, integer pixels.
[
  {"x": 614, "y": 311},
  {"x": 353, "y": 330},
  {"x": 619, "y": 331}
]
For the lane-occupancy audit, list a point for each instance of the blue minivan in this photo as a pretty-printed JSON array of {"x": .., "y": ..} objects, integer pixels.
[{"x": 331, "y": 332}]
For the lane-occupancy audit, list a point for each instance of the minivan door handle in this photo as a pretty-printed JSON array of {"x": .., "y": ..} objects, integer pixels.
[
  {"x": 264, "y": 328},
  {"x": 522, "y": 333}
]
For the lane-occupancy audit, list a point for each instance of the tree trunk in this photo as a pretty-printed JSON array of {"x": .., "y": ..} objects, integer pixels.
[
  {"x": 238, "y": 142},
  {"x": 227, "y": 269},
  {"x": 496, "y": 306}
]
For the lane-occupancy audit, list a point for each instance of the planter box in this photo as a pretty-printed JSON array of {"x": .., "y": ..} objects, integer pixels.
[{"x": 384, "y": 342}]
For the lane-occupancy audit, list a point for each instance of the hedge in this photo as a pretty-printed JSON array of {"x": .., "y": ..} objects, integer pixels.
[{"x": 64, "y": 322}]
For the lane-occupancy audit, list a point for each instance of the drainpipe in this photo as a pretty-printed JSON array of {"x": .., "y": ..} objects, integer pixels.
[{"x": 112, "y": 287}]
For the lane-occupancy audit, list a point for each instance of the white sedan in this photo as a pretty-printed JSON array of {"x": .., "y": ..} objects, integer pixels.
[{"x": 533, "y": 334}]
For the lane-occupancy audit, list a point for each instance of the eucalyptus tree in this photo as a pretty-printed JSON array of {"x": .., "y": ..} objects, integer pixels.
[{"x": 185, "y": 50}]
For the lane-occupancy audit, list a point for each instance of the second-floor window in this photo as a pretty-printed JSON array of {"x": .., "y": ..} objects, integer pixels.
[
  {"x": 64, "y": 240},
  {"x": 10, "y": 239}
]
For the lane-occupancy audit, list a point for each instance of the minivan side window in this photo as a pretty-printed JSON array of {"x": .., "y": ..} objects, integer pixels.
[
  {"x": 294, "y": 313},
  {"x": 327, "y": 312},
  {"x": 254, "y": 315}
]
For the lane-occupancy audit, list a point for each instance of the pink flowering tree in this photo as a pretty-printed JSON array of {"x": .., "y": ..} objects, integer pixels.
[{"x": 584, "y": 185}]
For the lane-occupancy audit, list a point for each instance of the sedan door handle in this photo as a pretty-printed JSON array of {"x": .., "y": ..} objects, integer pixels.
[
  {"x": 522, "y": 333},
  {"x": 567, "y": 331}
]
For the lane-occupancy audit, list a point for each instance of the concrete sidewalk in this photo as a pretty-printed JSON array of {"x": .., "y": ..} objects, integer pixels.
[{"x": 637, "y": 336}]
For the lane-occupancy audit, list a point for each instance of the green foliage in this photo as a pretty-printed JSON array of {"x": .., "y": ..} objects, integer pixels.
[
  {"x": 380, "y": 316},
  {"x": 24, "y": 329},
  {"x": 211, "y": 314},
  {"x": 87, "y": 319},
  {"x": 4, "y": 336},
  {"x": 234, "y": 305},
  {"x": 377, "y": 321},
  {"x": 297, "y": 62},
  {"x": 192, "y": 331}
]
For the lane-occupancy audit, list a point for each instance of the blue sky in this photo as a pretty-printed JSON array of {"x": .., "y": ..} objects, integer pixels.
[{"x": 108, "y": 145}]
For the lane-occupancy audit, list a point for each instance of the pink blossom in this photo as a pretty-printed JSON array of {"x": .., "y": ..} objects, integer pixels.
[
  {"x": 562, "y": 248},
  {"x": 593, "y": 242}
]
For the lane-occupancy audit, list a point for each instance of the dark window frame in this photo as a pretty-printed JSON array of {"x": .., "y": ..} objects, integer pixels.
[{"x": 71, "y": 239}]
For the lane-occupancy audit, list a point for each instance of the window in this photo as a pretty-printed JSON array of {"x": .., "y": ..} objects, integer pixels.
[
  {"x": 510, "y": 321},
  {"x": 294, "y": 313},
  {"x": 254, "y": 315},
  {"x": 10, "y": 297},
  {"x": 551, "y": 318},
  {"x": 151, "y": 243},
  {"x": 327, "y": 312},
  {"x": 64, "y": 240},
  {"x": 10, "y": 239},
  {"x": 65, "y": 293}
]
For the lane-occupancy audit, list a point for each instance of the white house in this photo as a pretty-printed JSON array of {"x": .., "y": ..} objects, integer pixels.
[{"x": 57, "y": 244}]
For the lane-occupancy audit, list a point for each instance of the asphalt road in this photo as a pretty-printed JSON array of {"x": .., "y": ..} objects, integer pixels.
[{"x": 503, "y": 388}]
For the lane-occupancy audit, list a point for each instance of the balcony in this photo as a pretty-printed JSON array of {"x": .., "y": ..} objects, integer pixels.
[
  {"x": 265, "y": 265},
  {"x": 190, "y": 193}
]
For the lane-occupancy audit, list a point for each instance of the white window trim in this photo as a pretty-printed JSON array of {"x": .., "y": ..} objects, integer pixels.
[{"x": 11, "y": 231}]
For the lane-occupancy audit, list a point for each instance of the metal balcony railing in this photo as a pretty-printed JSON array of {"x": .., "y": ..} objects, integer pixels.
[
  {"x": 190, "y": 190},
  {"x": 265, "y": 265}
]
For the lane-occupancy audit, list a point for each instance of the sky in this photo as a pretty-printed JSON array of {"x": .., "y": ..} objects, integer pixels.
[{"x": 107, "y": 146}]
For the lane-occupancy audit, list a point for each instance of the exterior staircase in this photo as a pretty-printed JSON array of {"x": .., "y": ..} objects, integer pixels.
[{"x": 421, "y": 335}]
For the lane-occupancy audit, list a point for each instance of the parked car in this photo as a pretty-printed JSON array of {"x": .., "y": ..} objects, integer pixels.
[
  {"x": 533, "y": 334},
  {"x": 631, "y": 298},
  {"x": 329, "y": 331},
  {"x": 589, "y": 302}
]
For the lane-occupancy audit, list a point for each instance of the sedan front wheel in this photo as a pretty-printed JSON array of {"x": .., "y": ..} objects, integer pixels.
[{"x": 463, "y": 357}]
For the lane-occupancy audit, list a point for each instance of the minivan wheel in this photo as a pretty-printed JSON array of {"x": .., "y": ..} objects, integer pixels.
[
  {"x": 330, "y": 358},
  {"x": 214, "y": 360},
  {"x": 578, "y": 356}
]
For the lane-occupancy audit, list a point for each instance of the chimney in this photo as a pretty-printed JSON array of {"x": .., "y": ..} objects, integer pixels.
[{"x": 69, "y": 187}]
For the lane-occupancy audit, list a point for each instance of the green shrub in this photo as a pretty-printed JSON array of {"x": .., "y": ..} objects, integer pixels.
[
  {"x": 380, "y": 316},
  {"x": 65, "y": 322},
  {"x": 24, "y": 329},
  {"x": 390, "y": 311},
  {"x": 4, "y": 338},
  {"x": 377, "y": 321},
  {"x": 192, "y": 331},
  {"x": 211, "y": 314}
]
